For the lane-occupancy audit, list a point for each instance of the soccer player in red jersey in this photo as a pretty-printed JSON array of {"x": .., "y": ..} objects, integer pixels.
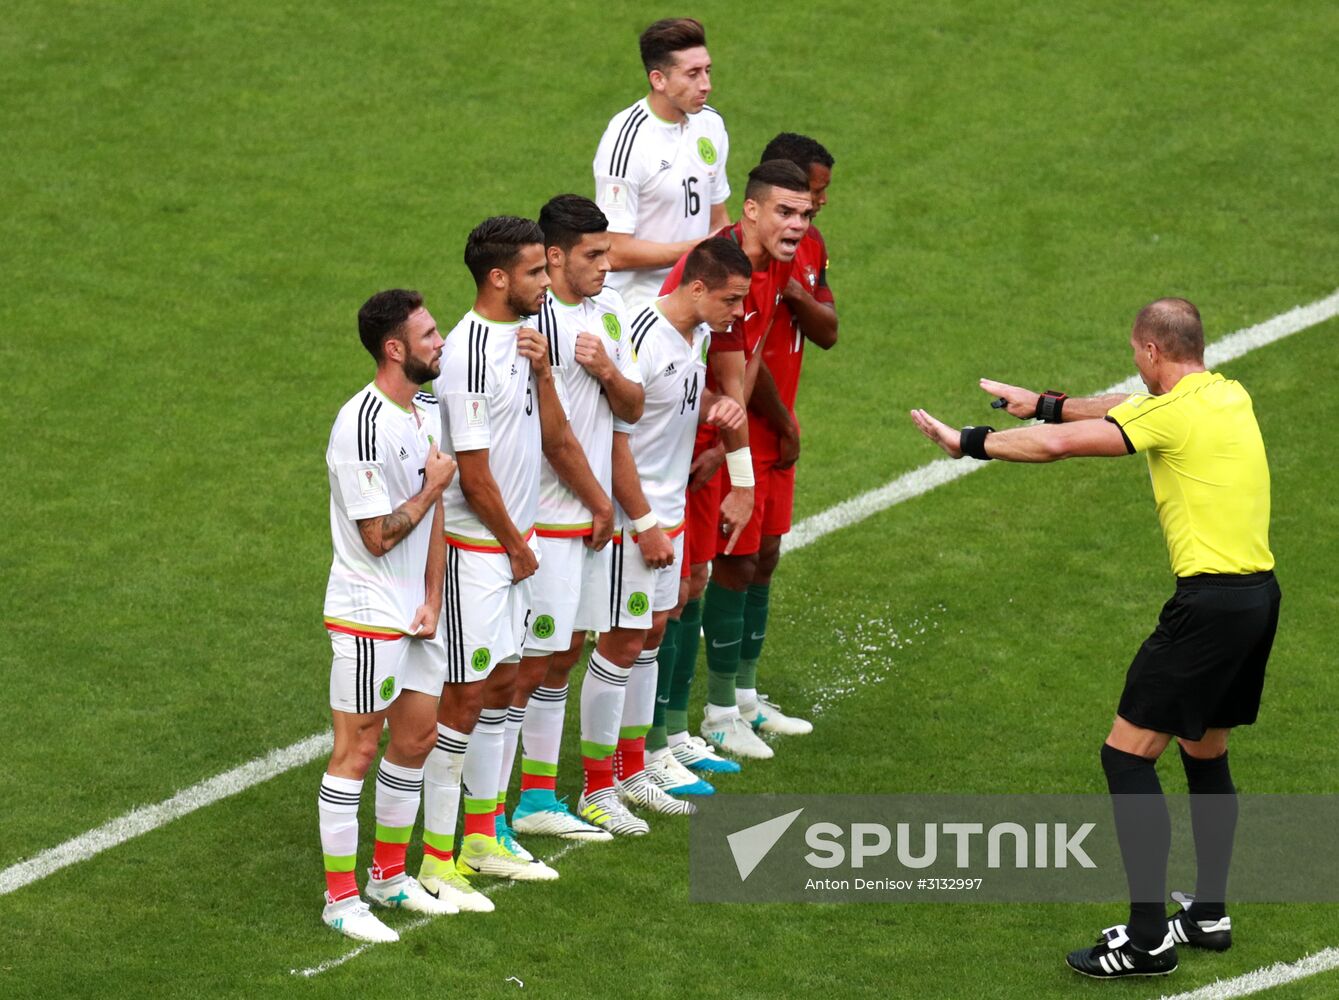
[
  {"x": 806, "y": 312},
  {"x": 777, "y": 209}
]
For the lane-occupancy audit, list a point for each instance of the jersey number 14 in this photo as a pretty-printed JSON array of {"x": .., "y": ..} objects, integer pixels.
[{"x": 689, "y": 394}]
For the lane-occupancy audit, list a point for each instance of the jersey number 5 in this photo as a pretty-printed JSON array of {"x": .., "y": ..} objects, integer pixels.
[{"x": 692, "y": 201}]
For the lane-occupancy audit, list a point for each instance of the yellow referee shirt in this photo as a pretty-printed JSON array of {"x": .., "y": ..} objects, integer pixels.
[{"x": 1210, "y": 476}]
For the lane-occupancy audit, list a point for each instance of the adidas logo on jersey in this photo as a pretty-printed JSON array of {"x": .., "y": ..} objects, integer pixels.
[
  {"x": 403, "y": 454},
  {"x": 668, "y": 371},
  {"x": 664, "y": 164}
]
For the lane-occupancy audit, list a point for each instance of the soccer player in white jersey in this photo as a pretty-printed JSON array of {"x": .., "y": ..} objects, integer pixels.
[
  {"x": 382, "y": 606},
  {"x": 501, "y": 418},
  {"x": 660, "y": 166},
  {"x": 651, "y": 467},
  {"x": 600, "y": 386}
]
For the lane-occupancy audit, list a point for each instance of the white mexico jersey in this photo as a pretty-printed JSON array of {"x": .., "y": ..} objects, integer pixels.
[
  {"x": 658, "y": 181},
  {"x": 561, "y": 514},
  {"x": 376, "y": 457},
  {"x": 486, "y": 394},
  {"x": 674, "y": 374}
]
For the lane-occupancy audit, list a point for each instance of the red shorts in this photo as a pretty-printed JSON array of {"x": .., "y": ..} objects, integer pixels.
[{"x": 773, "y": 499}]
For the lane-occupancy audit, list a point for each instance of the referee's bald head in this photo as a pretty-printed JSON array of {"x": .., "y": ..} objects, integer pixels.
[{"x": 1174, "y": 325}]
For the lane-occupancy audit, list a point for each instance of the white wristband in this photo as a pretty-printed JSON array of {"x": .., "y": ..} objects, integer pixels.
[
  {"x": 739, "y": 463},
  {"x": 644, "y": 522}
]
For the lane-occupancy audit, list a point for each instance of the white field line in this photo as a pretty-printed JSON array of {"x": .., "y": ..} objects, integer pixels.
[
  {"x": 907, "y": 486},
  {"x": 918, "y": 481},
  {"x": 146, "y": 818},
  {"x": 1263, "y": 979}
]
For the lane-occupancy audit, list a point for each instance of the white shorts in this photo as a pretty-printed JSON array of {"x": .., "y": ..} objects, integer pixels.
[
  {"x": 484, "y": 614},
  {"x": 365, "y": 674},
  {"x": 570, "y": 593},
  {"x": 637, "y": 590},
  {"x": 425, "y": 664}
]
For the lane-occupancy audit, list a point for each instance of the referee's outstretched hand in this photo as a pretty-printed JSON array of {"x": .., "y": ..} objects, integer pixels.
[
  {"x": 939, "y": 432},
  {"x": 1019, "y": 402}
]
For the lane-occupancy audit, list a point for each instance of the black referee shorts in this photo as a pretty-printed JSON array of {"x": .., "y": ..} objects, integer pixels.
[{"x": 1204, "y": 665}]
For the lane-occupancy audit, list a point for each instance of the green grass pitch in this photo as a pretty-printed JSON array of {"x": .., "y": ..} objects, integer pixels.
[{"x": 197, "y": 198}]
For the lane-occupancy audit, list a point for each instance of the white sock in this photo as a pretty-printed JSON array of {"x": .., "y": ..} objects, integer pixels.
[
  {"x": 542, "y": 733},
  {"x": 602, "y": 699},
  {"x": 677, "y": 739},
  {"x": 483, "y": 761},
  {"x": 441, "y": 789},
  {"x": 337, "y": 811},
  {"x": 640, "y": 703},
  {"x": 399, "y": 791},
  {"x": 746, "y": 699},
  {"x": 511, "y": 735}
]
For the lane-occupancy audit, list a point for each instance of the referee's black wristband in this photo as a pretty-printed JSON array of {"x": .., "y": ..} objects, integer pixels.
[
  {"x": 972, "y": 441},
  {"x": 1049, "y": 405}
]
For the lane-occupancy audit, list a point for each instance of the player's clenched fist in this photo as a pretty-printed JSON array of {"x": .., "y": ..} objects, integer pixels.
[
  {"x": 438, "y": 471},
  {"x": 726, "y": 414},
  {"x": 530, "y": 344},
  {"x": 657, "y": 549},
  {"x": 523, "y": 562},
  {"x": 590, "y": 355}
]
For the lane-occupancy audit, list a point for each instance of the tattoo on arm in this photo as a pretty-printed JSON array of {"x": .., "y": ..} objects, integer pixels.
[{"x": 381, "y": 534}]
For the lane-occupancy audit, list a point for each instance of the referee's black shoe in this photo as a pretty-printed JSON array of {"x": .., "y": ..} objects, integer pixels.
[
  {"x": 1115, "y": 955},
  {"x": 1215, "y": 935}
]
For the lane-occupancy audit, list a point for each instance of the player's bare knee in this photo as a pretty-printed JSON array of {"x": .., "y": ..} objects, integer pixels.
[
  {"x": 656, "y": 634},
  {"x": 621, "y": 645},
  {"x": 769, "y": 555},
  {"x": 460, "y": 706},
  {"x": 1211, "y": 745},
  {"x": 735, "y": 572},
  {"x": 697, "y": 580}
]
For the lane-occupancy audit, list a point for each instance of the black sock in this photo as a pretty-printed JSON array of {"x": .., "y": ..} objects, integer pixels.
[
  {"x": 1213, "y": 818},
  {"x": 1144, "y": 831}
]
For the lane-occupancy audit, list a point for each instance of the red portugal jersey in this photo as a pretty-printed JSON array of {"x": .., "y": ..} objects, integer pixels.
[{"x": 784, "y": 351}]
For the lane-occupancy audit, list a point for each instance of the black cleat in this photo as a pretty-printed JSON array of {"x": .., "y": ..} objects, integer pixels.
[
  {"x": 1215, "y": 935},
  {"x": 1115, "y": 955}
]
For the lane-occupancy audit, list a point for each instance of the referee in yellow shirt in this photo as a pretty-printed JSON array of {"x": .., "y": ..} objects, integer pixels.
[{"x": 1202, "y": 670}]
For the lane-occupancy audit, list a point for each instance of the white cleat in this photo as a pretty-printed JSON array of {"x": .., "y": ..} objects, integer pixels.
[
  {"x": 604, "y": 810},
  {"x": 401, "y": 892},
  {"x": 640, "y": 790},
  {"x": 697, "y": 754},
  {"x": 672, "y": 777},
  {"x": 352, "y": 918},
  {"x": 481, "y": 855},
  {"x": 767, "y": 717},
  {"x": 455, "y": 888},
  {"x": 732, "y": 734}
]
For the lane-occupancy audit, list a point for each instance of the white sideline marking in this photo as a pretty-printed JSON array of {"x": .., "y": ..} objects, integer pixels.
[
  {"x": 1263, "y": 979},
  {"x": 918, "y": 481},
  {"x": 849, "y": 512},
  {"x": 147, "y": 818}
]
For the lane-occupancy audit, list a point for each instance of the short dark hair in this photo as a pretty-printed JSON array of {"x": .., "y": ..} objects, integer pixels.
[
  {"x": 497, "y": 242},
  {"x": 566, "y": 218},
  {"x": 775, "y": 174},
  {"x": 663, "y": 39},
  {"x": 714, "y": 261},
  {"x": 382, "y": 316},
  {"x": 798, "y": 149},
  {"x": 1175, "y": 326}
]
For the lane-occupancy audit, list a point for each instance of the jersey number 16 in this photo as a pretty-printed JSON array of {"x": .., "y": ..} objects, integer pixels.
[{"x": 692, "y": 201}]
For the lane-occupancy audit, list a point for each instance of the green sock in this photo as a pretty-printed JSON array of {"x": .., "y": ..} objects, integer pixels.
[
  {"x": 658, "y": 737},
  {"x": 685, "y": 665},
  {"x": 755, "y": 631},
  {"x": 723, "y": 625}
]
